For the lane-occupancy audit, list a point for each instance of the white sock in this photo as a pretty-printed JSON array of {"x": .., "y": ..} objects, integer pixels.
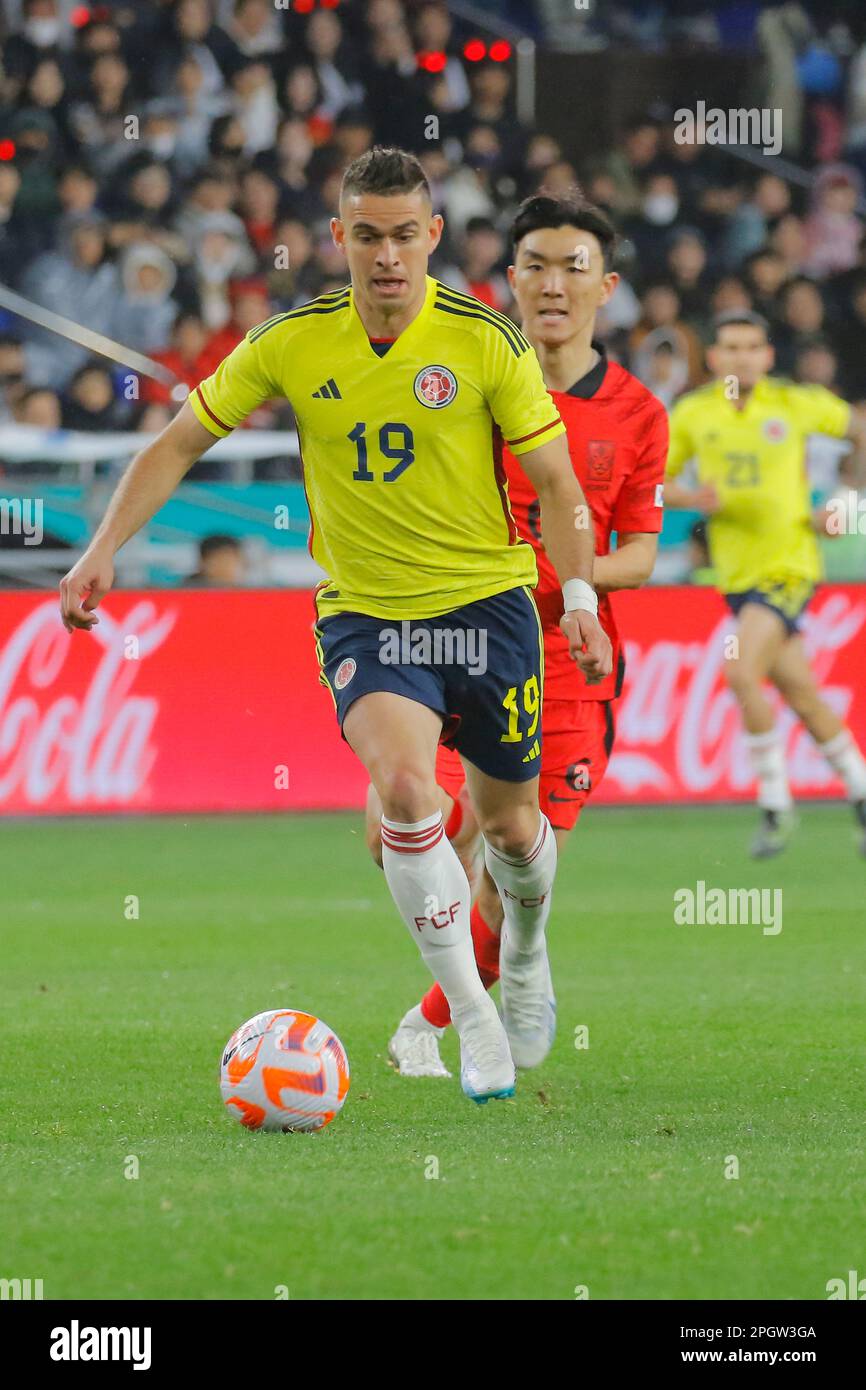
[
  {"x": 768, "y": 761},
  {"x": 845, "y": 757},
  {"x": 431, "y": 890},
  {"x": 415, "y": 1019},
  {"x": 525, "y": 886}
]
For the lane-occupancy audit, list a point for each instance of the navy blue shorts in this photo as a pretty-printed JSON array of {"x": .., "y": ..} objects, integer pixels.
[
  {"x": 480, "y": 666},
  {"x": 787, "y": 596}
]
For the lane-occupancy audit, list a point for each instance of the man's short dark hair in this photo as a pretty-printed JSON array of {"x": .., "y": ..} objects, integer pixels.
[
  {"x": 732, "y": 317},
  {"x": 209, "y": 545},
  {"x": 565, "y": 210},
  {"x": 386, "y": 170}
]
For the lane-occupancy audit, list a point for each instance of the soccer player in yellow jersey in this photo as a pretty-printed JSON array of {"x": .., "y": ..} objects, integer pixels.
[
  {"x": 403, "y": 391},
  {"x": 747, "y": 434}
]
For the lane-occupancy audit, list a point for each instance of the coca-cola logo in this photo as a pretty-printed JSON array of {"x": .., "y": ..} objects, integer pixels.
[
  {"x": 93, "y": 747},
  {"x": 679, "y": 730}
]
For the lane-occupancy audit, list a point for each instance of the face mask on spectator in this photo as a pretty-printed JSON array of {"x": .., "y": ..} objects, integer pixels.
[
  {"x": 42, "y": 32},
  {"x": 660, "y": 208}
]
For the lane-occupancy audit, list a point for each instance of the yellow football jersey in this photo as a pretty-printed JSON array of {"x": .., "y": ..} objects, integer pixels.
[
  {"x": 755, "y": 458},
  {"x": 401, "y": 454}
]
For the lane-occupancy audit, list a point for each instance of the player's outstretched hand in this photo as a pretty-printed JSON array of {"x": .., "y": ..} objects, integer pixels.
[
  {"x": 588, "y": 644},
  {"x": 83, "y": 587}
]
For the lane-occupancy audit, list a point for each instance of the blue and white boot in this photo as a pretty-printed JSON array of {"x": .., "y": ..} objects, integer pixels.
[
  {"x": 486, "y": 1066},
  {"x": 528, "y": 1002}
]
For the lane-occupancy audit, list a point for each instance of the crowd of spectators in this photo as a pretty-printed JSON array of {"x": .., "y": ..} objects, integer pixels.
[{"x": 168, "y": 172}]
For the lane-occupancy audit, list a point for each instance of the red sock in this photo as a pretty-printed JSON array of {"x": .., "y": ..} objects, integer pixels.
[
  {"x": 454, "y": 821},
  {"x": 434, "y": 1005},
  {"x": 486, "y": 943}
]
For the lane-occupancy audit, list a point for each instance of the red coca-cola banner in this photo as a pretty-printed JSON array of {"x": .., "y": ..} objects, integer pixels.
[
  {"x": 678, "y": 732},
  {"x": 210, "y": 701}
]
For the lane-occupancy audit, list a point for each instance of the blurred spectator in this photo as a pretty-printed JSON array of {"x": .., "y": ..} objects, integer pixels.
[
  {"x": 259, "y": 209},
  {"x": 296, "y": 280},
  {"x": 36, "y": 156},
  {"x": 765, "y": 273},
  {"x": 78, "y": 275},
  {"x": 13, "y": 231},
  {"x": 491, "y": 105},
  {"x": 222, "y": 564},
  {"x": 254, "y": 103},
  {"x": 628, "y": 166},
  {"x": 647, "y": 229},
  {"x": 303, "y": 99},
  {"x": 802, "y": 318},
  {"x": 187, "y": 356},
  {"x": 221, "y": 252},
  {"x": 749, "y": 225},
  {"x": 188, "y": 27},
  {"x": 850, "y": 344},
  {"x": 145, "y": 310},
  {"x": 12, "y": 376},
  {"x": 482, "y": 251},
  {"x": 788, "y": 240},
  {"x": 832, "y": 229},
  {"x": 686, "y": 263},
  {"x": 816, "y": 364},
  {"x": 40, "y": 406},
  {"x": 335, "y": 68},
  {"x": 99, "y": 122},
  {"x": 662, "y": 365},
  {"x": 255, "y": 29},
  {"x": 661, "y": 311},
  {"x": 731, "y": 292},
  {"x": 38, "y": 36},
  {"x": 89, "y": 402}
]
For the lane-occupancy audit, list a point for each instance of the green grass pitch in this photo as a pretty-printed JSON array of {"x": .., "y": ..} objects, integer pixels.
[{"x": 608, "y": 1170}]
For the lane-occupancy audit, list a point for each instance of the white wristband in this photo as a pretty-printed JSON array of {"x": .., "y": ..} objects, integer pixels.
[{"x": 578, "y": 594}]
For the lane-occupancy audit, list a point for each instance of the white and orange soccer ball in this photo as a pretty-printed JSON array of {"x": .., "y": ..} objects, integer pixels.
[{"x": 284, "y": 1070}]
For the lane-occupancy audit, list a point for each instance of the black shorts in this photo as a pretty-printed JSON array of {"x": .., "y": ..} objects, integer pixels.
[
  {"x": 481, "y": 667},
  {"x": 788, "y": 596}
]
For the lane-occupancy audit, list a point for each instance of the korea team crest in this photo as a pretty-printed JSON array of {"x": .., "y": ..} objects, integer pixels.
[
  {"x": 345, "y": 672},
  {"x": 601, "y": 455},
  {"x": 435, "y": 387}
]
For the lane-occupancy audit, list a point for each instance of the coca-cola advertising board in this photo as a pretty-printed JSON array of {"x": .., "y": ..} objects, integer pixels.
[{"x": 210, "y": 701}]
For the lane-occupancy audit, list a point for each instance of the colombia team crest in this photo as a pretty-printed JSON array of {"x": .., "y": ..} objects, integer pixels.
[
  {"x": 775, "y": 430},
  {"x": 435, "y": 387},
  {"x": 345, "y": 672}
]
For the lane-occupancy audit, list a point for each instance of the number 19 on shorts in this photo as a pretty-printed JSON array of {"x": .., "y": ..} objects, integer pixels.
[{"x": 531, "y": 705}]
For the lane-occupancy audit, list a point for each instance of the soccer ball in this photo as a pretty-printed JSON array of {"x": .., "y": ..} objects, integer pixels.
[{"x": 284, "y": 1070}]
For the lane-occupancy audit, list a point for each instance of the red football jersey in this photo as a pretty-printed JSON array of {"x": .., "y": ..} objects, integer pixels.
[{"x": 617, "y": 435}]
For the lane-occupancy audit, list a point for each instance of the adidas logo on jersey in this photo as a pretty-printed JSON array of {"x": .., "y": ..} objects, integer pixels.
[
  {"x": 329, "y": 392},
  {"x": 534, "y": 752}
]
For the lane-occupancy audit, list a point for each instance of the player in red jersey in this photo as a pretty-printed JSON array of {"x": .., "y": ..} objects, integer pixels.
[{"x": 618, "y": 440}]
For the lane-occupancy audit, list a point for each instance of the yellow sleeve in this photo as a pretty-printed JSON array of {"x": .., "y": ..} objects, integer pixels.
[
  {"x": 681, "y": 446},
  {"x": 518, "y": 398},
  {"x": 241, "y": 382},
  {"x": 818, "y": 411}
]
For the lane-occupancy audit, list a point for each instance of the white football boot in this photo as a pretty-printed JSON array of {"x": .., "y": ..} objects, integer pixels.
[
  {"x": 528, "y": 1003},
  {"x": 414, "y": 1048},
  {"x": 486, "y": 1067}
]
